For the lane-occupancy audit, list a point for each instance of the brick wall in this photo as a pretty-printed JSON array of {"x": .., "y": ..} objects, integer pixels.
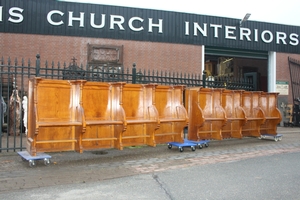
[
  {"x": 283, "y": 71},
  {"x": 146, "y": 55}
]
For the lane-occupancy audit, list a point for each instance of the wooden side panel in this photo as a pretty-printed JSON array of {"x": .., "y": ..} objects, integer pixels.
[
  {"x": 268, "y": 103},
  {"x": 231, "y": 102},
  {"x": 141, "y": 115},
  {"x": 97, "y": 104},
  {"x": 195, "y": 113},
  {"x": 31, "y": 117},
  {"x": 181, "y": 115},
  {"x": 172, "y": 114},
  {"x": 207, "y": 116},
  {"x": 254, "y": 114},
  {"x": 57, "y": 115}
]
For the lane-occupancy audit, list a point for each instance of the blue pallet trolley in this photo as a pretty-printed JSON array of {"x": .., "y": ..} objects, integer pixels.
[
  {"x": 189, "y": 143},
  {"x": 276, "y": 138},
  {"x": 31, "y": 159}
]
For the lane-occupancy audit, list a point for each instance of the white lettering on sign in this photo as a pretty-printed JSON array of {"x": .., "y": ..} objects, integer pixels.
[
  {"x": 116, "y": 20},
  {"x": 203, "y": 30},
  {"x": 92, "y": 22},
  {"x": 159, "y": 25},
  {"x": 80, "y": 19},
  {"x": 137, "y": 24},
  {"x": 270, "y": 35},
  {"x": 216, "y": 28},
  {"x": 130, "y": 23},
  {"x": 229, "y": 32},
  {"x": 294, "y": 39},
  {"x": 255, "y": 35},
  {"x": 187, "y": 28},
  {"x": 280, "y": 36},
  {"x": 15, "y": 17},
  {"x": 1, "y": 8},
  {"x": 245, "y": 33},
  {"x": 49, "y": 17}
]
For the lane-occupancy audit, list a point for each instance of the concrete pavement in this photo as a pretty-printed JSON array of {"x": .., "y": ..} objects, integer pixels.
[
  {"x": 69, "y": 169},
  {"x": 271, "y": 177}
]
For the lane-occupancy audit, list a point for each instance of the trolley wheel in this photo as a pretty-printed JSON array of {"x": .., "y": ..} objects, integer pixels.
[
  {"x": 31, "y": 163},
  {"x": 276, "y": 138},
  {"x": 180, "y": 149},
  {"x": 169, "y": 146},
  {"x": 260, "y": 137},
  {"x": 46, "y": 161},
  {"x": 200, "y": 146},
  {"x": 193, "y": 148},
  {"x": 280, "y": 138},
  {"x": 206, "y": 144}
]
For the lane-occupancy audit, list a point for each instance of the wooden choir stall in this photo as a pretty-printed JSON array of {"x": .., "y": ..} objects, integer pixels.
[{"x": 78, "y": 115}]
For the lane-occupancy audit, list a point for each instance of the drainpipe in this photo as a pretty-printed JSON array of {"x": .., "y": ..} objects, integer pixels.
[
  {"x": 203, "y": 59},
  {"x": 272, "y": 71}
]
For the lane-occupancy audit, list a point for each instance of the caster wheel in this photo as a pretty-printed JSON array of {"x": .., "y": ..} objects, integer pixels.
[
  {"x": 46, "y": 161},
  {"x": 31, "y": 163},
  {"x": 169, "y": 146},
  {"x": 279, "y": 138},
  {"x": 260, "y": 137},
  {"x": 206, "y": 144},
  {"x": 180, "y": 149},
  {"x": 193, "y": 148},
  {"x": 200, "y": 146},
  {"x": 276, "y": 139}
]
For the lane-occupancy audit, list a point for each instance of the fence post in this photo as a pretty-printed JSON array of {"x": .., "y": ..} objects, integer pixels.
[
  {"x": 204, "y": 78},
  {"x": 38, "y": 65},
  {"x": 133, "y": 73}
]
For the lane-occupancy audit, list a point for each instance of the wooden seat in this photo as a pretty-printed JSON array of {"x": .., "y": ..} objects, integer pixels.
[
  {"x": 254, "y": 114},
  {"x": 236, "y": 116},
  {"x": 140, "y": 113},
  {"x": 268, "y": 103},
  {"x": 103, "y": 126},
  {"x": 172, "y": 114},
  {"x": 206, "y": 114},
  {"x": 55, "y": 116}
]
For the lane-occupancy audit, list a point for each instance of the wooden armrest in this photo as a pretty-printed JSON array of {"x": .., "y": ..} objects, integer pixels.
[
  {"x": 254, "y": 118},
  {"x": 236, "y": 118},
  {"x": 270, "y": 118},
  {"x": 103, "y": 122},
  {"x": 215, "y": 119},
  {"x": 140, "y": 121},
  {"x": 172, "y": 120},
  {"x": 57, "y": 123}
]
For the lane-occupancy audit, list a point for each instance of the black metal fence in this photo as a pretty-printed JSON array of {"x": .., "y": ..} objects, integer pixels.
[{"x": 14, "y": 85}]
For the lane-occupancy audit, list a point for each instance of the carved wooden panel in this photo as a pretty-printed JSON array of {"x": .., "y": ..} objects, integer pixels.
[{"x": 98, "y": 54}]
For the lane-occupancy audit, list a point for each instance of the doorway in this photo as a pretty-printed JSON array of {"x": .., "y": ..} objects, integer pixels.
[{"x": 235, "y": 64}]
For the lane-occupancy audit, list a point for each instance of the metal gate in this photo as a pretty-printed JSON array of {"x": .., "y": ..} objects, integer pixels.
[
  {"x": 14, "y": 85},
  {"x": 294, "y": 66}
]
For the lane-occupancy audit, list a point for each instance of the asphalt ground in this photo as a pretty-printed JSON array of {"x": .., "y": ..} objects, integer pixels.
[{"x": 137, "y": 165}]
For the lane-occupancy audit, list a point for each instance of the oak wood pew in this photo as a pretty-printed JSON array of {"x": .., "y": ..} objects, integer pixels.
[
  {"x": 172, "y": 114},
  {"x": 268, "y": 103},
  {"x": 140, "y": 114},
  {"x": 254, "y": 114},
  {"x": 55, "y": 116},
  {"x": 103, "y": 118},
  {"x": 206, "y": 114},
  {"x": 236, "y": 116}
]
